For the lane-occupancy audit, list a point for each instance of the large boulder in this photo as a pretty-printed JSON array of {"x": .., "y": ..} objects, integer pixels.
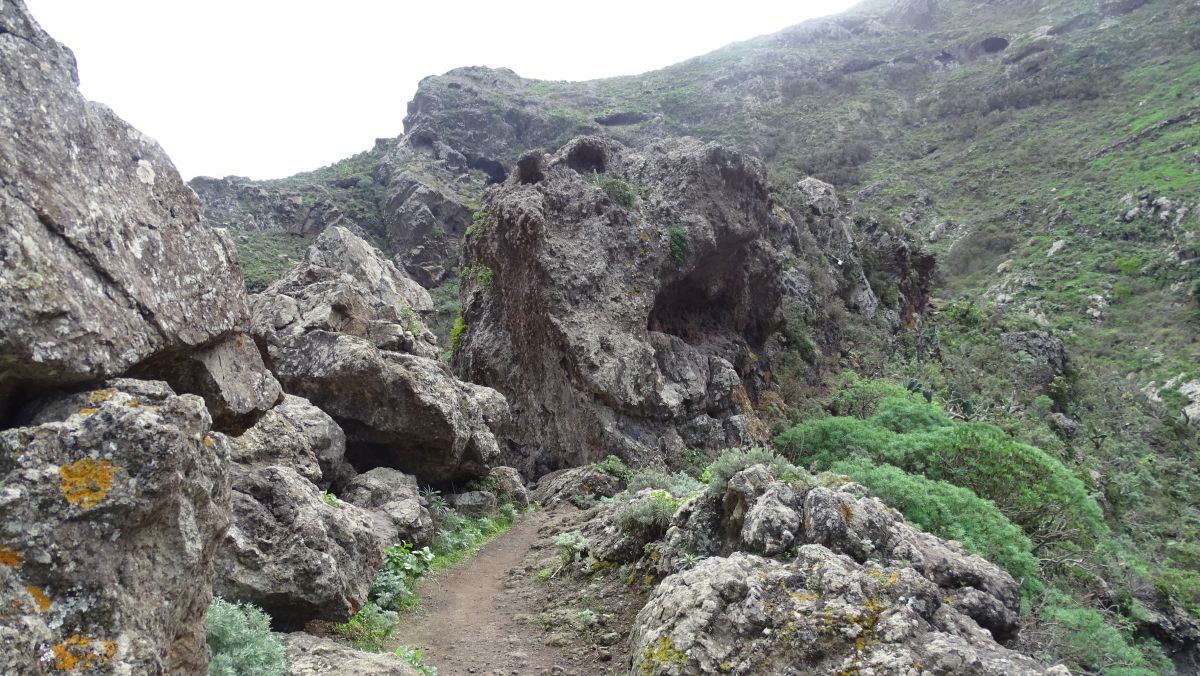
[
  {"x": 393, "y": 496},
  {"x": 111, "y": 510},
  {"x": 300, "y": 436},
  {"x": 620, "y": 300},
  {"x": 292, "y": 553},
  {"x": 105, "y": 263},
  {"x": 824, "y": 611}
]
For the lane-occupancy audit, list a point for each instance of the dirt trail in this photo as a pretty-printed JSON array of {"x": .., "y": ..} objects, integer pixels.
[{"x": 466, "y": 623}]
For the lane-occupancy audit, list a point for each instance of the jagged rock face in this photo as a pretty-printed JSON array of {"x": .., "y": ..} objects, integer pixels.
[
  {"x": 849, "y": 586},
  {"x": 237, "y": 202},
  {"x": 343, "y": 330},
  {"x": 576, "y": 483},
  {"x": 395, "y": 500},
  {"x": 111, "y": 511},
  {"x": 89, "y": 199},
  {"x": 614, "y": 328},
  {"x": 300, "y": 436}
]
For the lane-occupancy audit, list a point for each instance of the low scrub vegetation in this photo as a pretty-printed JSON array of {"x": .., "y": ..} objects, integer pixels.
[{"x": 241, "y": 641}]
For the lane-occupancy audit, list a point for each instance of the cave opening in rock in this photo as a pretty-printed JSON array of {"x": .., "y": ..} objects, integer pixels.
[
  {"x": 494, "y": 170},
  {"x": 586, "y": 158},
  {"x": 699, "y": 307},
  {"x": 993, "y": 45}
]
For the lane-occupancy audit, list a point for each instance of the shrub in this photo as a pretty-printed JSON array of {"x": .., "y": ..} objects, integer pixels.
[
  {"x": 820, "y": 443},
  {"x": 330, "y": 498},
  {"x": 613, "y": 466},
  {"x": 414, "y": 657},
  {"x": 402, "y": 568},
  {"x": 678, "y": 237},
  {"x": 647, "y": 519},
  {"x": 860, "y": 398},
  {"x": 679, "y": 484},
  {"x": 369, "y": 629},
  {"x": 734, "y": 460},
  {"x": 1084, "y": 639},
  {"x": 909, "y": 414},
  {"x": 241, "y": 641},
  {"x": 617, "y": 190},
  {"x": 572, "y": 546},
  {"x": 456, "y": 333},
  {"x": 950, "y": 512}
]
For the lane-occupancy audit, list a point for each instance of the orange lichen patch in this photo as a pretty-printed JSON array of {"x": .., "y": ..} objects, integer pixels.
[
  {"x": 39, "y": 597},
  {"x": 86, "y": 482},
  {"x": 10, "y": 557},
  {"x": 893, "y": 579},
  {"x": 847, "y": 513},
  {"x": 81, "y": 652},
  {"x": 208, "y": 442},
  {"x": 88, "y": 411},
  {"x": 101, "y": 396},
  {"x": 133, "y": 403}
]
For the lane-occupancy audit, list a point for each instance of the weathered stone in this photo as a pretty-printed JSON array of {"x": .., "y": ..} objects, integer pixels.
[
  {"x": 110, "y": 514},
  {"x": 324, "y": 437},
  {"x": 474, "y": 503},
  {"x": 104, "y": 259},
  {"x": 397, "y": 409},
  {"x": 565, "y": 484},
  {"x": 310, "y": 655},
  {"x": 823, "y": 611},
  {"x": 297, "y": 435},
  {"x": 394, "y": 497},
  {"x": 508, "y": 486}
]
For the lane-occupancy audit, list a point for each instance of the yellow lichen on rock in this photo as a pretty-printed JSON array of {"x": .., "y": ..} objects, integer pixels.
[
  {"x": 10, "y": 557},
  {"x": 101, "y": 396},
  {"x": 86, "y": 482},
  {"x": 81, "y": 652},
  {"x": 39, "y": 597}
]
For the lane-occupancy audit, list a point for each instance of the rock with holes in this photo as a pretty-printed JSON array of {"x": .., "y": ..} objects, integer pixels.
[
  {"x": 293, "y": 553},
  {"x": 105, "y": 263},
  {"x": 396, "y": 501},
  {"x": 645, "y": 292},
  {"x": 111, "y": 511},
  {"x": 822, "y": 610},
  {"x": 310, "y": 655}
]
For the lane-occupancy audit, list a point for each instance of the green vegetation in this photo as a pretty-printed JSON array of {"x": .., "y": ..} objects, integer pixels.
[
  {"x": 647, "y": 519},
  {"x": 617, "y": 190},
  {"x": 402, "y": 569},
  {"x": 456, "y": 333},
  {"x": 613, "y": 466},
  {"x": 678, "y": 236},
  {"x": 735, "y": 460},
  {"x": 369, "y": 629},
  {"x": 572, "y": 546},
  {"x": 265, "y": 256},
  {"x": 330, "y": 499},
  {"x": 241, "y": 641},
  {"x": 415, "y": 659}
]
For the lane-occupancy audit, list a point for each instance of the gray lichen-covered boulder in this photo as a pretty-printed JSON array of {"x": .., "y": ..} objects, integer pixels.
[
  {"x": 393, "y": 497},
  {"x": 310, "y": 655},
  {"x": 105, "y": 263},
  {"x": 821, "y": 612},
  {"x": 111, "y": 511},
  {"x": 508, "y": 486},
  {"x": 476, "y": 504},
  {"x": 292, "y": 553},
  {"x": 620, "y": 298},
  {"x": 576, "y": 483},
  {"x": 342, "y": 329},
  {"x": 300, "y": 436}
]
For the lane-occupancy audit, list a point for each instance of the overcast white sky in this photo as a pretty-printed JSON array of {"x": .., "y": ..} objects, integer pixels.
[{"x": 268, "y": 88}]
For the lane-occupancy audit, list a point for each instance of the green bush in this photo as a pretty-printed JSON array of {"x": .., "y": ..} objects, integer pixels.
[
  {"x": 369, "y": 629},
  {"x": 619, "y": 191},
  {"x": 456, "y": 333},
  {"x": 909, "y": 414},
  {"x": 1084, "y": 639},
  {"x": 734, "y": 460},
  {"x": 572, "y": 546},
  {"x": 678, "y": 236},
  {"x": 613, "y": 466},
  {"x": 822, "y": 442},
  {"x": 679, "y": 484},
  {"x": 861, "y": 398},
  {"x": 950, "y": 512},
  {"x": 647, "y": 519},
  {"x": 241, "y": 641},
  {"x": 330, "y": 499},
  {"x": 402, "y": 568}
]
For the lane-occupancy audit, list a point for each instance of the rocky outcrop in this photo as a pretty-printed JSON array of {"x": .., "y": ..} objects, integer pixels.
[
  {"x": 508, "y": 486},
  {"x": 620, "y": 299},
  {"x": 343, "y": 330},
  {"x": 575, "y": 483},
  {"x": 112, "y": 508},
  {"x": 393, "y": 497},
  {"x": 830, "y": 578},
  {"x": 310, "y": 655},
  {"x": 89, "y": 199},
  {"x": 748, "y": 614},
  {"x": 242, "y": 204},
  {"x": 290, "y": 551}
]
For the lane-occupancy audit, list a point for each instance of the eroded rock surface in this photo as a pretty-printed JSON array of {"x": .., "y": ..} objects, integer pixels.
[
  {"x": 111, "y": 510},
  {"x": 310, "y": 655},
  {"x": 105, "y": 262},
  {"x": 342, "y": 330},
  {"x": 401, "y": 514}
]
